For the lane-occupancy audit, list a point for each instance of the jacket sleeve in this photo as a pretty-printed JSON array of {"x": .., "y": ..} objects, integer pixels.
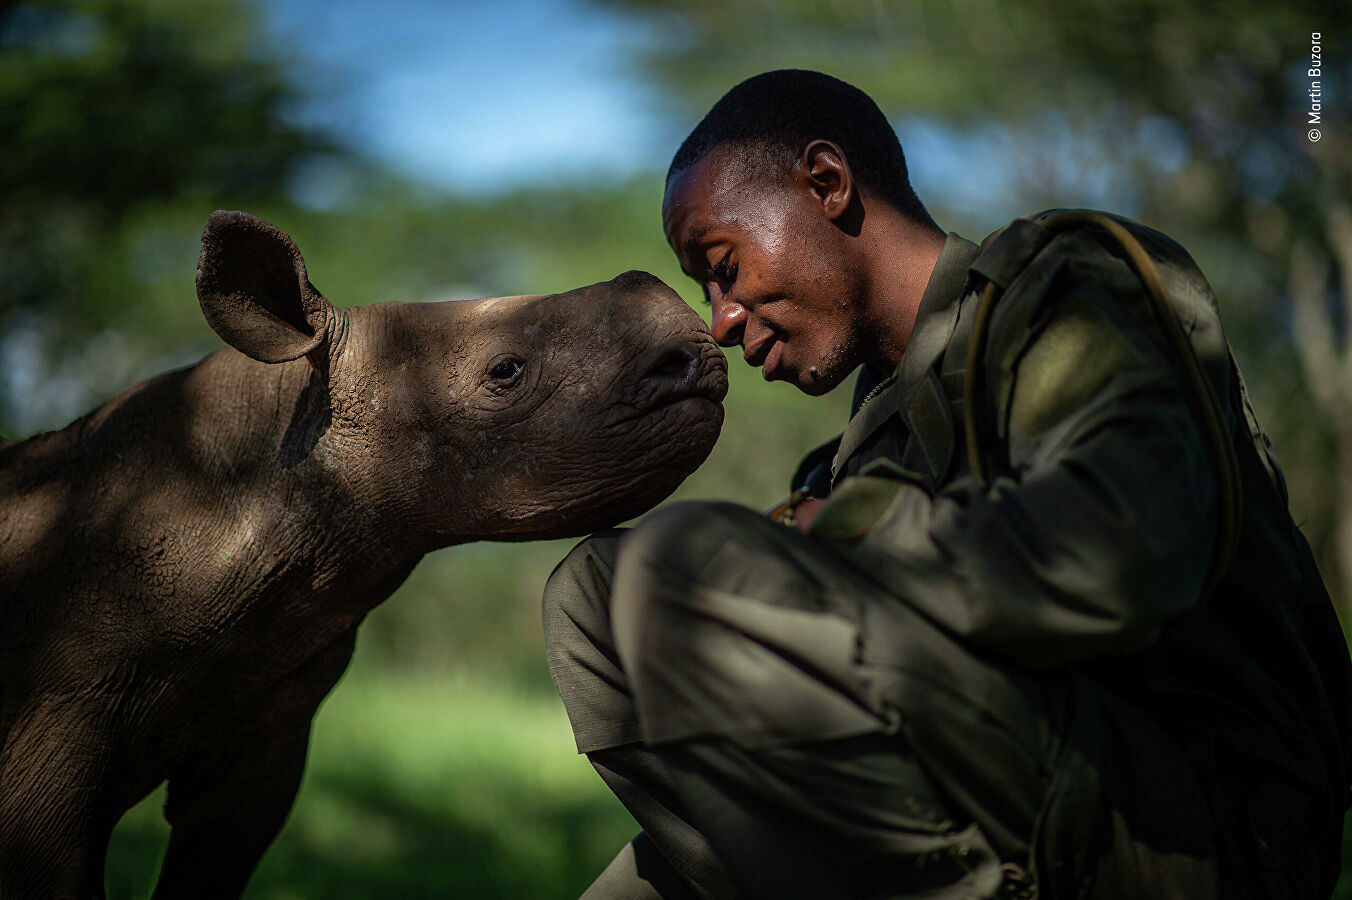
[{"x": 1102, "y": 526}]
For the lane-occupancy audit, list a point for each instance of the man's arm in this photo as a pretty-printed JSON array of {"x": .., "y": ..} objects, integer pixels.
[{"x": 1103, "y": 527}]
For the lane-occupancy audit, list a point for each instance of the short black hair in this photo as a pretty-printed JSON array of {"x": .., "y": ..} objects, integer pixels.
[{"x": 776, "y": 114}]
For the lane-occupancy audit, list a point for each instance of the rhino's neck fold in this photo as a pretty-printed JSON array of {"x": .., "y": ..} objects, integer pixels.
[{"x": 298, "y": 477}]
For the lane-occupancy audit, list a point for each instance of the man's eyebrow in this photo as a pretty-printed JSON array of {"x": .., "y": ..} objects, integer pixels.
[{"x": 694, "y": 237}]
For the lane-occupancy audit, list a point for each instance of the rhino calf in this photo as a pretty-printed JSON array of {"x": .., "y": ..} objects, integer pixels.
[{"x": 183, "y": 570}]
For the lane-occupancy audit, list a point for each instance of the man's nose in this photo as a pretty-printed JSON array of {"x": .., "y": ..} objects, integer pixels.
[{"x": 729, "y": 322}]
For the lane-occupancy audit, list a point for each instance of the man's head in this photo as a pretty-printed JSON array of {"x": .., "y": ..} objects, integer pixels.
[{"x": 766, "y": 206}]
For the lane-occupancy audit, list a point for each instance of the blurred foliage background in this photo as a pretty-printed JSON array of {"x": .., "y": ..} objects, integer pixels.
[{"x": 442, "y": 764}]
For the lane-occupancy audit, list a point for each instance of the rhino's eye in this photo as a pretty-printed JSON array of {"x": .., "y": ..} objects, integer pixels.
[{"x": 506, "y": 371}]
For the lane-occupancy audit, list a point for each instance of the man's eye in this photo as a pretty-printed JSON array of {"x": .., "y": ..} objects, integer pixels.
[{"x": 724, "y": 272}]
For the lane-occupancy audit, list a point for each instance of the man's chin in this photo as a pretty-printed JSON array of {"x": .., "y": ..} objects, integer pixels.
[{"x": 813, "y": 382}]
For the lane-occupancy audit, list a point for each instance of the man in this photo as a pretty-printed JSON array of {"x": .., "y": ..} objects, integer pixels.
[{"x": 1082, "y": 651}]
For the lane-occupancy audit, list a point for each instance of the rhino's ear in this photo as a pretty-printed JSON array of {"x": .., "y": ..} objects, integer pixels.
[{"x": 254, "y": 292}]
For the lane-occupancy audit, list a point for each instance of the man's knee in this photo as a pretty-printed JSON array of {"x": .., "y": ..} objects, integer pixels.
[
  {"x": 678, "y": 542},
  {"x": 721, "y": 632},
  {"x": 580, "y": 649},
  {"x": 664, "y": 574},
  {"x": 577, "y": 593},
  {"x": 681, "y": 553}
]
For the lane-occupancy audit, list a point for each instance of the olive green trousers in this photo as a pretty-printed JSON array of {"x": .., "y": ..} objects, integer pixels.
[{"x": 780, "y": 725}]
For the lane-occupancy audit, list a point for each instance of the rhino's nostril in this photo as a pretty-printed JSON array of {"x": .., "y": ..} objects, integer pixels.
[{"x": 676, "y": 362}]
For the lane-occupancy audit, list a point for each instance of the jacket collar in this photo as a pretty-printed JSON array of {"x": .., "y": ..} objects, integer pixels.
[{"x": 877, "y": 399}]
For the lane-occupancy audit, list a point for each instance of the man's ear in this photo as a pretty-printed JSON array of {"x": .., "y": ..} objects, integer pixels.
[
  {"x": 254, "y": 292},
  {"x": 825, "y": 169}
]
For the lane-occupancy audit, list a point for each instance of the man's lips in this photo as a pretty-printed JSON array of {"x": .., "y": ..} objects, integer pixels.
[
  {"x": 766, "y": 352},
  {"x": 755, "y": 354},
  {"x": 772, "y": 360}
]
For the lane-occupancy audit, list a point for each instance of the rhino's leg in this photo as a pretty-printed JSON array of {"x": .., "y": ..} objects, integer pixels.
[
  {"x": 228, "y": 803},
  {"x": 54, "y": 817},
  {"x": 227, "y": 810}
]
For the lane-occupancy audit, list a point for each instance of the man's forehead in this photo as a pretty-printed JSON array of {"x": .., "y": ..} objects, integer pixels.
[
  {"x": 687, "y": 187},
  {"x": 713, "y": 184}
]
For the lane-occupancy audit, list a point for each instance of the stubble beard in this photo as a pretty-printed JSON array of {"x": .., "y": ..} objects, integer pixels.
[{"x": 829, "y": 371}]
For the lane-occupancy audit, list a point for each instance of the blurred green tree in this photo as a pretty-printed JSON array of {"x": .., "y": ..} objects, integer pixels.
[
  {"x": 115, "y": 115},
  {"x": 1194, "y": 115}
]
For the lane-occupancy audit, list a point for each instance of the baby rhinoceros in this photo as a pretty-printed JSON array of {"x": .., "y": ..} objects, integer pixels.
[{"x": 183, "y": 570}]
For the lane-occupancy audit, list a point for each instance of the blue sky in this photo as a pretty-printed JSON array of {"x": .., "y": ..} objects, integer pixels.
[
  {"x": 469, "y": 95},
  {"x": 475, "y": 96}
]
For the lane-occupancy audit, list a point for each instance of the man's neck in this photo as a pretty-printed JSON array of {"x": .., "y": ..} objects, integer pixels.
[{"x": 900, "y": 257}]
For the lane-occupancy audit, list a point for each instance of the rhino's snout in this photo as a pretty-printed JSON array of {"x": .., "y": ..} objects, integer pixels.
[
  {"x": 678, "y": 363},
  {"x": 683, "y": 368}
]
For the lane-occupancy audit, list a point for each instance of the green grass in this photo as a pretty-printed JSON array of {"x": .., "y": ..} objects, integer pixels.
[{"x": 421, "y": 787}]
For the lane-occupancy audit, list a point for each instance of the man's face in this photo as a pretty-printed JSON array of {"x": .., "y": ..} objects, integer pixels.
[{"x": 773, "y": 265}]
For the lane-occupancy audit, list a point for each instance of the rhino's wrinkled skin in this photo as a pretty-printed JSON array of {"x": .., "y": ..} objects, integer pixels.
[{"x": 182, "y": 571}]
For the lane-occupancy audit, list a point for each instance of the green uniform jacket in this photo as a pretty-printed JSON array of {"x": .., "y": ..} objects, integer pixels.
[{"x": 1092, "y": 543}]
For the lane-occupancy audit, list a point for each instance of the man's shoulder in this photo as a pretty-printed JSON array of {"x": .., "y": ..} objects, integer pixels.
[
  {"x": 1038, "y": 259},
  {"x": 1067, "y": 234},
  {"x": 1076, "y": 306}
]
